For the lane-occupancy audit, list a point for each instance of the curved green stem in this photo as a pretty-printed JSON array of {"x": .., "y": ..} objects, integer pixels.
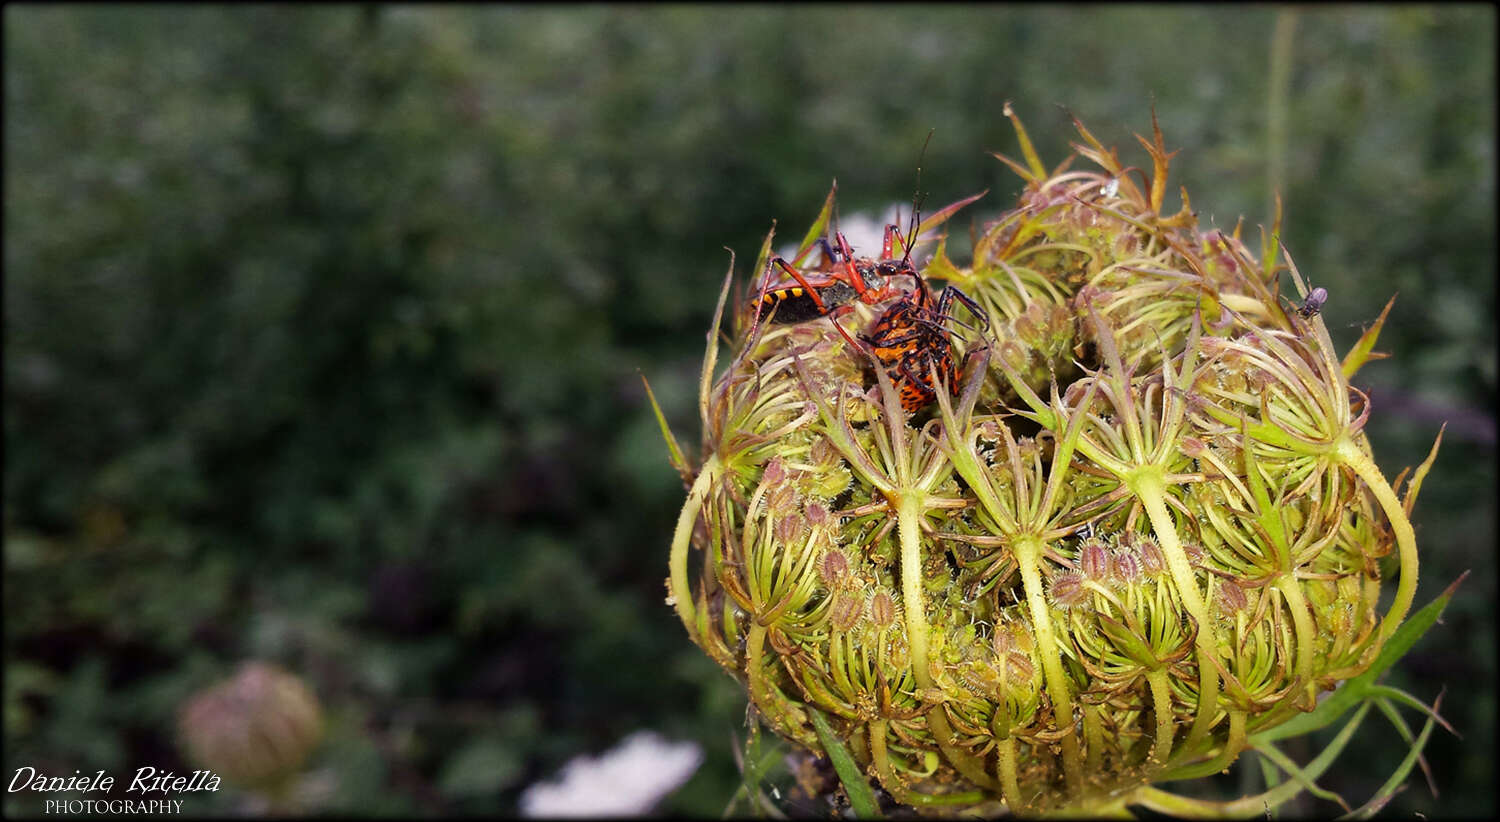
[
  {"x": 908, "y": 516},
  {"x": 1232, "y": 746},
  {"x": 1406, "y": 539},
  {"x": 1303, "y": 625},
  {"x": 1161, "y": 702},
  {"x": 1028, "y": 551},
  {"x": 1182, "y": 807},
  {"x": 1093, "y": 737},
  {"x": 786, "y": 717},
  {"x": 880, "y": 757},
  {"x": 1110, "y": 808},
  {"x": 882, "y": 761},
  {"x": 682, "y": 539},
  {"x": 1005, "y": 769},
  {"x": 1150, "y": 489},
  {"x": 755, "y": 643},
  {"x": 1252, "y": 806}
]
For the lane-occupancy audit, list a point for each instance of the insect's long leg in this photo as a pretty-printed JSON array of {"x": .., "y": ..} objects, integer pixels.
[
  {"x": 892, "y": 235},
  {"x": 760, "y": 310},
  {"x": 942, "y": 328},
  {"x": 844, "y": 250},
  {"x": 830, "y": 257},
  {"x": 759, "y": 306},
  {"x": 910, "y": 375},
  {"x": 951, "y": 293},
  {"x": 963, "y": 370},
  {"x": 910, "y": 336},
  {"x": 834, "y": 317},
  {"x": 850, "y": 269},
  {"x": 802, "y": 281}
]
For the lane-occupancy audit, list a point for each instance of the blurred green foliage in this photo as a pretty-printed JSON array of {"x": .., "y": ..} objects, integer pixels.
[{"x": 322, "y": 331}]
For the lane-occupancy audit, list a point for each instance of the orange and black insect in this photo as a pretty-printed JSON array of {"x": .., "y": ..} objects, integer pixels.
[
  {"x": 839, "y": 281},
  {"x": 911, "y": 342},
  {"x": 841, "y": 278}
]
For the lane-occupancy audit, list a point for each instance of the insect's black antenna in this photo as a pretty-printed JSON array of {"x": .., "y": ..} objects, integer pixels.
[
  {"x": 916, "y": 201},
  {"x": 924, "y": 296},
  {"x": 834, "y": 223}
]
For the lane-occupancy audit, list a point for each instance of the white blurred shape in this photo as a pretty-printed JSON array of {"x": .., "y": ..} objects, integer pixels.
[{"x": 627, "y": 780}]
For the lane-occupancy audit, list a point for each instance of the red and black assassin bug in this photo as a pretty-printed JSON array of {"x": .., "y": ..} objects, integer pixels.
[
  {"x": 910, "y": 340},
  {"x": 840, "y": 280}
]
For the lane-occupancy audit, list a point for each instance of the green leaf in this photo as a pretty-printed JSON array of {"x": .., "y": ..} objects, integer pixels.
[
  {"x": 1363, "y": 351},
  {"x": 1393, "y": 785},
  {"x": 1414, "y": 485},
  {"x": 757, "y": 760},
  {"x": 1302, "y": 777},
  {"x": 750, "y": 771},
  {"x": 940, "y": 267},
  {"x": 861, "y": 798},
  {"x": 1361, "y": 687},
  {"x": 1268, "y": 772},
  {"x": 941, "y": 216},
  {"x": 1388, "y": 707},
  {"x": 818, "y": 227},
  {"x": 711, "y": 354},
  {"x": 677, "y": 459},
  {"x": 1396, "y": 695},
  {"x": 1034, "y": 170},
  {"x": 1305, "y": 778}
]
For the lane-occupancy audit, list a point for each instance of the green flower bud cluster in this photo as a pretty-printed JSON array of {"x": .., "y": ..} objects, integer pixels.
[{"x": 1145, "y": 525}]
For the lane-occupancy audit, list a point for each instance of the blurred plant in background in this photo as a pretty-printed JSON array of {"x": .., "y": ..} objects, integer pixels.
[{"x": 322, "y": 328}]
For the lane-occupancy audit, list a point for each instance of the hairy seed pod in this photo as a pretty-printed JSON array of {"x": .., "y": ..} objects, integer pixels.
[
  {"x": 1152, "y": 562},
  {"x": 847, "y": 608},
  {"x": 782, "y": 499},
  {"x": 817, "y": 515},
  {"x": 1067, "y": 590},
  {"x": 1094, "y": 560},
  {"x": 775, "y": 472},
  {"x": 790, "y": 528},
  {"x": 1230, "y": 598},
  {"x": 1127, "y": 567},
  {"x": 834, "y": 569},
  {"x": 824, "y": 455},
  {"x": 1002, "y": 641},
  {"x": 882, "y": 610},
  {"x": 1020, "y": 665}
]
